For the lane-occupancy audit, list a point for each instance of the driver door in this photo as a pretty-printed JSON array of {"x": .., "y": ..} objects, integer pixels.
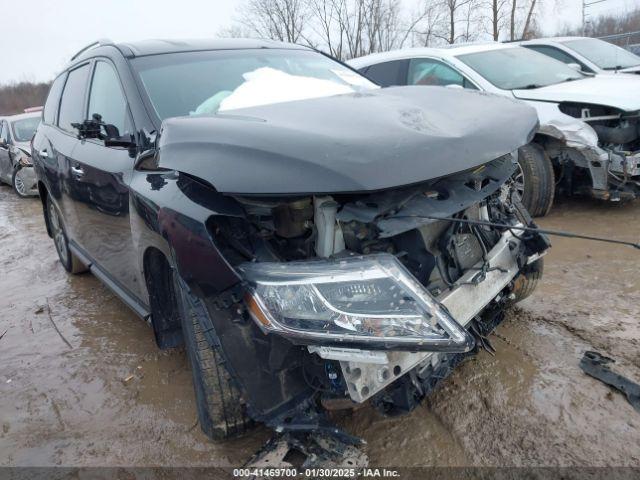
[{"x": 104, "y": 174}]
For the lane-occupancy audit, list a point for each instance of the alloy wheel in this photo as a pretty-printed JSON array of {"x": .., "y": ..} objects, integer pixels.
[{"x": 19, "y": 185}]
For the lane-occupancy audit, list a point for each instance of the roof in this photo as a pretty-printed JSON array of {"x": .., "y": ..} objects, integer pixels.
[
  {"x": 160, "y": 46},
  {"x": 445, "y": 52},
  {"x": 550, "y": 40},
  {"x": 22, "y": 116}
]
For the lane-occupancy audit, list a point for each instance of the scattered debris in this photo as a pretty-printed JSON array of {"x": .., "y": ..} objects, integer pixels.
[
  {"x": 127, "y": 379},
  {"x": 39, "y": 310},
  {"x": 3, "y": 334},
  {"x": 596, "y": 365},
  {"x": 309, "y": 450},
  {"x": 56, "y": 326}
]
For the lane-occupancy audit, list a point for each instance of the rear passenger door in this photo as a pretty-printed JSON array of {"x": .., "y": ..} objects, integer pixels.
[
  {"x": 103, "y": 174},
  {"x": 429, "y": 71}
]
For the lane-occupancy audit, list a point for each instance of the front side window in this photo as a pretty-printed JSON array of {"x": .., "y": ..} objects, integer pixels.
[
  {"x": 107, "y": 100},
  {"x": 519, "y": 68},
  {"x": 427, "y": 71},
  {"x": 604, "y": 54},
  {"x": 24, "y": 129},
  {"x": 72, "y": 103},
  {"x": 53, "y": 98},
  {"x": 194, "y": 83}
]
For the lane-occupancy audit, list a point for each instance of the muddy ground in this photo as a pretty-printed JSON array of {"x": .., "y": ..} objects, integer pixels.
[{"x": 82, "y": 383}]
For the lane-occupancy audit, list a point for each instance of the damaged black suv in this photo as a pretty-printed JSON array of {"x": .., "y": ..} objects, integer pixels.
[{"x": 313, "y": 240}]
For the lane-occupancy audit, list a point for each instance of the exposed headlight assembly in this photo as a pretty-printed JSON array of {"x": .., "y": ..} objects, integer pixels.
[{"x": 371, "y": 300}]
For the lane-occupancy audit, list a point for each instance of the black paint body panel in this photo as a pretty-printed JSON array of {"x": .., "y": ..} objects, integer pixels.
[{"x": 346, "y": 143}]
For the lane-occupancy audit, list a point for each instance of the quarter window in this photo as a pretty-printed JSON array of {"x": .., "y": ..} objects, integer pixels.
[
  {"x": 427, "y": 71},
  {"x": 107, "y": 100},
  {"x": 71, "y": 105}
]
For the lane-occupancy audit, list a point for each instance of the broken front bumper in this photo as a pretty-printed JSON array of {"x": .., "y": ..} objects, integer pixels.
[
  {"x": 615, "y": 175},
  {"x": 367, "y": 372}
]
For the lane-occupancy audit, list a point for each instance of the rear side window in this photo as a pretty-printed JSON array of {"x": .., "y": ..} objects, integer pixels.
[
  {"x": 106, "y": 98},
  {"x": 72, "y": 103},
  {"x": 53, "y": 99},
  {"x": 427, "y": 71},
  {"x": 388, "y": 74}
]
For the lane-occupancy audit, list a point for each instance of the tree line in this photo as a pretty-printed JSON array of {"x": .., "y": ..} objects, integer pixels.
[
  {"x": 15, "y": 97},
  {"x": 351, "y": 28}
]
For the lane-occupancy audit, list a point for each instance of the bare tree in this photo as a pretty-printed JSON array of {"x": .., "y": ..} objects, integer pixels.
[
  {"x": 527, "y": 22},
  {"x": 496, "y": 17},
  {"x": 276, "y": 19},
  {"x": 512, "y": 23},
  {"x": 352, "y": 28},
  {"x": 452, "y": 9},
  {"x": 326, "y": 26},
  {"x": 425, "y": 23}
]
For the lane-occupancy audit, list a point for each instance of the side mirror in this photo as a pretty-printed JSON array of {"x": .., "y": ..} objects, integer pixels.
[
  {"x": 575, "y": 66},
  {"x": 3, "y": 143},
  {"x": 90, "y": 128}
]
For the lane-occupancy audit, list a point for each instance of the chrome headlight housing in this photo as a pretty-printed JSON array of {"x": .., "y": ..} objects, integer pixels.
[{"x": 371, "y": 300}]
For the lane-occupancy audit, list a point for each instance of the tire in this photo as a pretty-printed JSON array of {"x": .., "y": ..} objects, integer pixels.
[
  {"x": 527, "y": 281},
  {"x": 535, "y": 179},
  {"x": 221, "y": 410},
  {"x": 18, "y": 185},
  {"x": 69, "y": 261}
]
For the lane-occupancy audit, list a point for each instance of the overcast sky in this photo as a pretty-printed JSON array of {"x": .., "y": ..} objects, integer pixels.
[{"x": 39, "y": 36}]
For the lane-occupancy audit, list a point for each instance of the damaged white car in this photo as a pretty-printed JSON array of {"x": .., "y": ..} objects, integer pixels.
[
  {"x": 589, "y": 138},
  {"x": 590, "y": 55}
]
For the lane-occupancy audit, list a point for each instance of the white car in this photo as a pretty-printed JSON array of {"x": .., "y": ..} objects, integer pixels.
[
  {"x": 589, "y": 135},
  {"x": 591, "y": 55}
]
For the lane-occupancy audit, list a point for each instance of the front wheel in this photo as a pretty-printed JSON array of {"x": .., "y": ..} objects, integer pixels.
[
  {"x": 18, "y": 183},
  {"x": 221, "y": 410},
  {"x": 534, "y": 180},
  {"x": 69, "y": 261}
]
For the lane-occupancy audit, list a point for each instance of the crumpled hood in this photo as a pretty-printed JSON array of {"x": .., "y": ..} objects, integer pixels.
[
  {"x": 621, "y": 92},
  {"x": 346, "y": 143},
  {"x": 24, "y": 146}
]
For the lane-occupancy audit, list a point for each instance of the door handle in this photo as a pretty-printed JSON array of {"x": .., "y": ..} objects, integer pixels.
[
  {"x": 43, "y": 153},
  {"x": 77, "y": 171}
]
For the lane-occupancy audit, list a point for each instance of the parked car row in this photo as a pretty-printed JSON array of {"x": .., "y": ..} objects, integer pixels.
[
  {"x": 314, "y": 240},
  {"x": 588, "y": 140}
]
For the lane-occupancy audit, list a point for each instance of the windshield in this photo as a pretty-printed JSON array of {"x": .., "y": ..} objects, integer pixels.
[
  {"x": 24, "y": 129},
  {"x": 604, "y": 54},
  {"x": 516, "y": 68},
  {"x": 207, "y": 82}
]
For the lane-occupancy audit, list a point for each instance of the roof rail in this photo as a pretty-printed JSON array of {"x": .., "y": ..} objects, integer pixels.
[{"x": 97, "y": 43}]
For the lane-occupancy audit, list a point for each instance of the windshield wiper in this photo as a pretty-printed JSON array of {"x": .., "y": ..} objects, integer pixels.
[{"x": 531, "y": 86}]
